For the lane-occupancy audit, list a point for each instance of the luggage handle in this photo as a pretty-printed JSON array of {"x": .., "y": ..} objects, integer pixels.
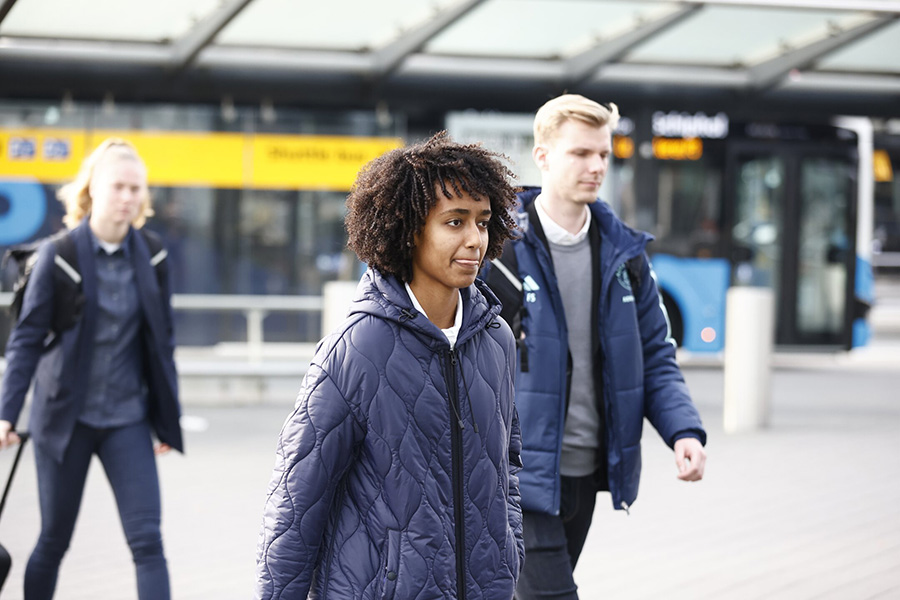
[{"x": 23, "y": 437}]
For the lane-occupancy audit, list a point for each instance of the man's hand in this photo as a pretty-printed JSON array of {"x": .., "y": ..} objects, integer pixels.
[
  {"x": 690, "y": 457},
  {"x": 161, "y": 448},
  {"x": 8, "y": 436}
]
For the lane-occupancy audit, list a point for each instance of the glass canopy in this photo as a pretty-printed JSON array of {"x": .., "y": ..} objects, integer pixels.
[{"x": 759, "y": 43}]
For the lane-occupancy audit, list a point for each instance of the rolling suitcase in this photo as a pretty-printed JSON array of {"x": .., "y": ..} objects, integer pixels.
[{"x": 5, "y": 559}]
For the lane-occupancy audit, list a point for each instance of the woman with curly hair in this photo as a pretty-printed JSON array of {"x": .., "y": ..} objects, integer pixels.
[{"x": 395, "y": 475}]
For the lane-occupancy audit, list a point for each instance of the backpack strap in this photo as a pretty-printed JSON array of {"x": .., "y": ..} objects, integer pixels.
[
  {"x": 503, "y": 279},
  {"x": 67, "y": 257},
  {"x": 158, "y": 255},
  {"x": 634, "y": 266},
  {"x": 68, "y": 296}
]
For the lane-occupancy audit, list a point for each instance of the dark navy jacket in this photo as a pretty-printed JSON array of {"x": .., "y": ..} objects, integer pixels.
[
  {"x": 636, "y": 373},
  {"x": 377, "y": 492},
  {"x": 60, "y": 364}
]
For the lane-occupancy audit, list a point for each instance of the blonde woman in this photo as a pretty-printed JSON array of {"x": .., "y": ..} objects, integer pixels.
[{"x": 107, "y": 383}]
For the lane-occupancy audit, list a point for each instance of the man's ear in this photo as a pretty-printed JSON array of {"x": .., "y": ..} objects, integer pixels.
[{"x": 539, "y": 153}]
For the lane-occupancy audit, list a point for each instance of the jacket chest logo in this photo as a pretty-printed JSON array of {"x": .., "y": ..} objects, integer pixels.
[
  {"x": 624, "y": 281},
  {"x": 530, "y": 286}
]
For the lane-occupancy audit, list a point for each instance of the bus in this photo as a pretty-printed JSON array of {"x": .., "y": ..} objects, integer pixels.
[
  {"x": 244, "y": 206},
  {"x": 781, "y": 205}
]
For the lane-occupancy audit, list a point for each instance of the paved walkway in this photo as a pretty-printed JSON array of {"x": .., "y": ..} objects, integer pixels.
[{"x": 806, "y": 508}]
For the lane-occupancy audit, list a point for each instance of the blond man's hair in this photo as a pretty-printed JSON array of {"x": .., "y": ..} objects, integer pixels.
[
  {"x": 76, "y": 196},
  {"x": 554, "y": 113}
]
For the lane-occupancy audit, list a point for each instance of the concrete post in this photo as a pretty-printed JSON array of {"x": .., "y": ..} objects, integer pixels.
[
  {"x": 749, "y": 337},
  {"x": 336, "y": 299},
  {"x": 255, "y": 319}
]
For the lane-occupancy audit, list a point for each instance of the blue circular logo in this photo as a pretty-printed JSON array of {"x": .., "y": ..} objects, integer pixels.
[{"x": 26, "y": 209}]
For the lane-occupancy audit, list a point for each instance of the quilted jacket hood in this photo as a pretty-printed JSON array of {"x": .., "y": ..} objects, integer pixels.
[
  {"x": 386, "y": 298},
  {"x": 395, "y": 475}
]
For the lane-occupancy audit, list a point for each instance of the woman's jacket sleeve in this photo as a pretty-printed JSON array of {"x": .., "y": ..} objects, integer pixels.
[{"x": 314, "y": 451}]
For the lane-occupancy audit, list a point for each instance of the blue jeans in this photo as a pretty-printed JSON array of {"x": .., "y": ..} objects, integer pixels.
[
  {"x": 553, "y": 543},
  {"x": 127, "y": 457}
]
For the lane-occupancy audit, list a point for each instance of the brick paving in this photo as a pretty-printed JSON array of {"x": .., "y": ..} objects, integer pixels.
[{"x": 806, "y": 508}]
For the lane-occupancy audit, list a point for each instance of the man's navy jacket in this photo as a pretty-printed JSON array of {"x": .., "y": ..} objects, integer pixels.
[
  {"x": 636, "y": 373},
  {"x": 61, "y": 363}
]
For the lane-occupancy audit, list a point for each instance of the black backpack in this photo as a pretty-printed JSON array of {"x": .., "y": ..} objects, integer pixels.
[{"x": 68, "y": 297}]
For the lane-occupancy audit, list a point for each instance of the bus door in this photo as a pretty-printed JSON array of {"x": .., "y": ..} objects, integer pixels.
[{"x": 792, "y": 215}]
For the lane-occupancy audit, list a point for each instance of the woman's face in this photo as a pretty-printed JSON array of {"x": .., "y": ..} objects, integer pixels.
[
  {"x": 451, "y": 245},
  {"x": 118, "y": 189}
]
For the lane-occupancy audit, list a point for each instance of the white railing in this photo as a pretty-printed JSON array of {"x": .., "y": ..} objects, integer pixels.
[{"x": 254, "y": 307}]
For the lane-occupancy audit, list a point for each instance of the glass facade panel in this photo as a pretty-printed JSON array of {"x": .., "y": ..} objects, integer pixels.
[
  {"x": 363, "y": 24},
  {"x": 158, "y": 21},
  {"x": 875, "y": 53},
  {"x": 726, "y": 36},
  {"x": 539, "y": 28}
]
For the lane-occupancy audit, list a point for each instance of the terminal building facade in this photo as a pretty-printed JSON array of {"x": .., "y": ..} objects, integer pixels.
[{"x": 255, "y": 115}]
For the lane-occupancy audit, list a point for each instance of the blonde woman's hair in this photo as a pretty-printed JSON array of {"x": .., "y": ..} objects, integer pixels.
[
  {"x": 557, "y": 111},
  {"x": 76, "y": 196}
]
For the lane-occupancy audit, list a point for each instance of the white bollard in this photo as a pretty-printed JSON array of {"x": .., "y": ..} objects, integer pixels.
[
  {"x": 336, "y": 299},
  {"x": 749, "y": 338}
]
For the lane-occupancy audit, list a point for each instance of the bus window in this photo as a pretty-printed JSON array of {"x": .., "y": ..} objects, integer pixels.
[
  {"x": 887, "y": 202},
  {"x": 757, "y": 232},
  {"x": 686, "y": 219},
  {"x": 825, "y": 189}
]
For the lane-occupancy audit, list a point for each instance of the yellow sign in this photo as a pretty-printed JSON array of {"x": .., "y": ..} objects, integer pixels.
[
  {"x": 188, "y": 159},
  {"x": 677, "y": 148},
  {"x": 313, "y": 162},
  {"x": 881, "y": 162},
  {"x": 623, "y": 146}
]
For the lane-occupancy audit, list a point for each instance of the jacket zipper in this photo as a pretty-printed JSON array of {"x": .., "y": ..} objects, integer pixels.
[
  {"x": 611, "y": 419},
  {"x": 456, "y": 454}
]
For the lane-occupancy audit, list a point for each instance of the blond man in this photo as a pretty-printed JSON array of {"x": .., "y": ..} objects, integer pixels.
[{"x": 593, "y": 361}]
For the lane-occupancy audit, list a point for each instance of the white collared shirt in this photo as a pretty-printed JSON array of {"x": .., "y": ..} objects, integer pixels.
[
  {"x": 109, "y": 247},
  {"x": 452, "y": 332},
  {"x": 557, "y": 234}
]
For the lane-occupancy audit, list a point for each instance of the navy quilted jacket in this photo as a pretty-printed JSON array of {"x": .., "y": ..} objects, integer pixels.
[{"x": 380, "y": 490}]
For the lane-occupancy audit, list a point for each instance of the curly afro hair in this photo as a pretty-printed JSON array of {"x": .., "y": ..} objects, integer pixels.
[{"x": 393, "y": 194}]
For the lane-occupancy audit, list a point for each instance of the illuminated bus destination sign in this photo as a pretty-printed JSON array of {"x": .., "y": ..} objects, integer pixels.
[
  {"x": 881, "y": 163},
  {"x": 623, "y": 146},
  {"x": 677, "y": 148},
  {"x": 685, "y": 125}
]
